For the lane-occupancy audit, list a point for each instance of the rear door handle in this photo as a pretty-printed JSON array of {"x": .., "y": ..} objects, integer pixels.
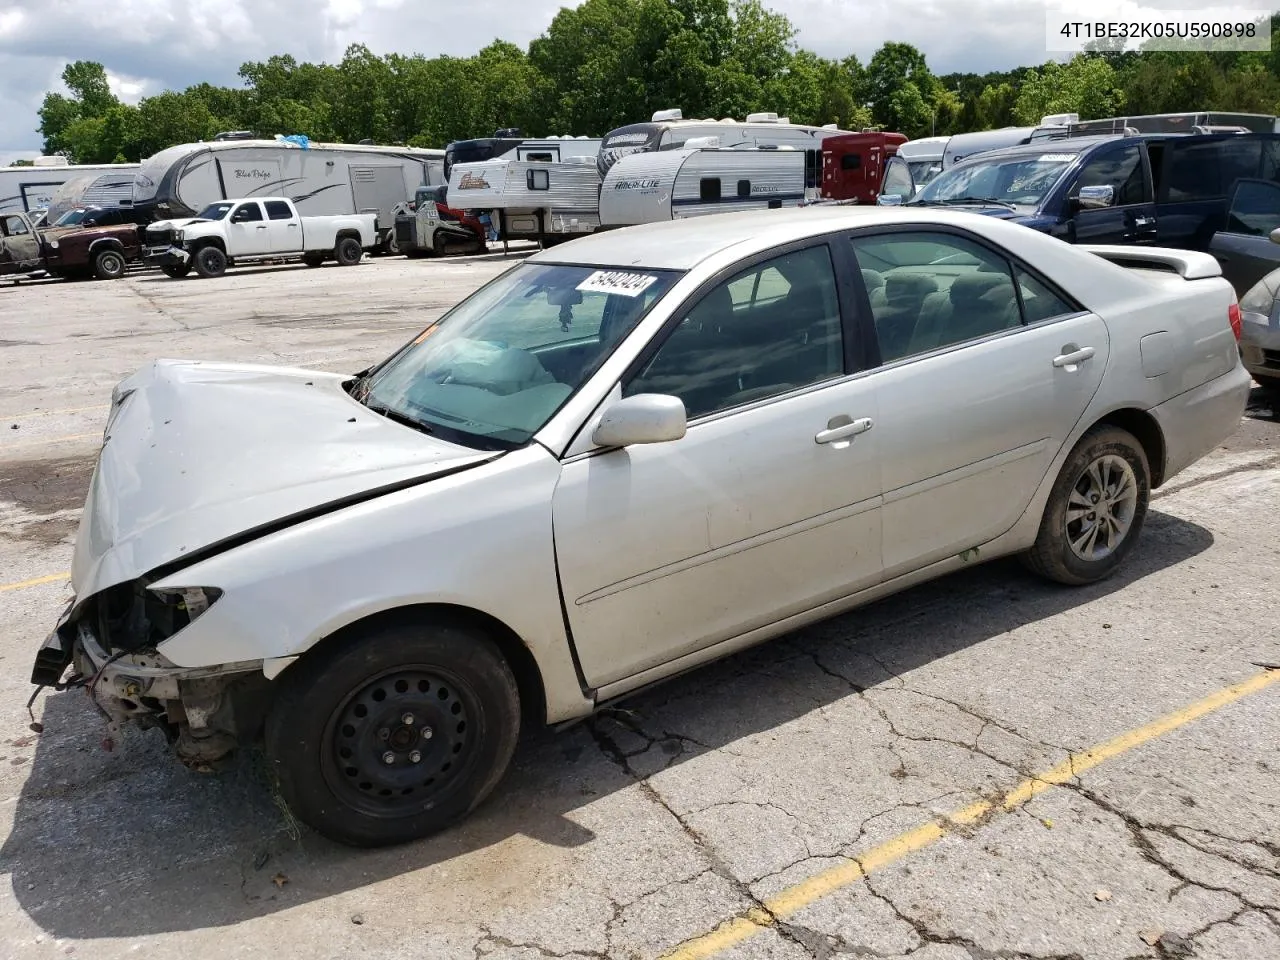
[
  {"x": 262, "y": 226},
  {"x": 1074, "y": 357},
  {"x": 844, "y": 432}
]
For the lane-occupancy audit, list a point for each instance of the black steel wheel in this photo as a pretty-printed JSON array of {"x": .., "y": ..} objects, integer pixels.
[
  {"x": 395, "y": 734},
  {"x": 210, "y": 262},
  {"x": 348, "y": 252}
]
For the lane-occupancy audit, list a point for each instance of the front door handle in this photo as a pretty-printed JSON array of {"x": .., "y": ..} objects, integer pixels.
[
  {"x": 262, "y": 226},
  {"x": 844, "y": 431},
  {"x": 1069, "y": 360}
]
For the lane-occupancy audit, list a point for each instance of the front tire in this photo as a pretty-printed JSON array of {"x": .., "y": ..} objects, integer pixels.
[
  {"x": 1095, "y": 510},
  {"x": 210, "y": 262},
  {"x": 392, "y": 245},
  {"x": 109, "y": 265},
  {"x": 348, "y": 252},
  {"x": 176, "y": 271},
  {"x": 399, "y": 732}
]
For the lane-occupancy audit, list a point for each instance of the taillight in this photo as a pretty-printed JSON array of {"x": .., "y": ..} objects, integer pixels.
[{"x": 1233, "y": 317}]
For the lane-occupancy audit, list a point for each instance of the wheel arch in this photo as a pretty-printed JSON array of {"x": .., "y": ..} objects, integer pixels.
[
  {"x": 105, "y": 243},
  {"x": 345, "y": 232},
  {"x": 1147, "y": 430},
  {"x": 514, "y": 650},
  {"x": 202, "y": 242}
]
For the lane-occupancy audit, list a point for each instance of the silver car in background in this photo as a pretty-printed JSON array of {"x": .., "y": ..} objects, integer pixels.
[{"x": 625, "y": 457}]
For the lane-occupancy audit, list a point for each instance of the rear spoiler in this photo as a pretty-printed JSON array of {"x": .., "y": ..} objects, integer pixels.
[{"x": 1188, "y": 264}]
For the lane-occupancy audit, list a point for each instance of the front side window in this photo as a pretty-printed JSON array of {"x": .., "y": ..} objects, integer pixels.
[
  {"x": 1255, "y": 208},
  {"x": 1121, "y": 170},
  {"x": 247, "y": 213},
  {"x": 215, "y": 211},
  {"x": 897, "y": 180},
  {"x": 497, "y": 367},
  {"x": 279, "y": 210},
  {"x": 770, "y": 329},
  {"x": 71, "y": 218},
  {"x": 932, "y": 290},
  {"x": 15, "y": 226}
]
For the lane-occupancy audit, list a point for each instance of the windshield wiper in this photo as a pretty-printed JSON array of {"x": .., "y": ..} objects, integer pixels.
[
  {"x": 397, "y": 417},
  {"x": 976, "y": 200}
]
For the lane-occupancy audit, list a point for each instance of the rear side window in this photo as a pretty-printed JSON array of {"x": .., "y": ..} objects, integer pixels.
[
  {"x": 1038, "y": 301},
  {"x": 1206, "y": 171},
  {"x": 1255, "y": 208},
  {"x": 278, "y": 210}
]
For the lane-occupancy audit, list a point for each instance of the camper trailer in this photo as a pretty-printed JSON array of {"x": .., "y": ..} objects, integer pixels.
[
  {"x": 531, "y": 199},
  {"x": 28, "y": 189},
  {"x": 1203, "y": 122},
  {"x": 964, "y": 145},
  {"x": 704, "y": 178},
  {"x": 668, "y": 130},
  {"x": 322, "y": 179},
  {"x": 92, "y": 190},
  {"x": 509, "y": 144}
]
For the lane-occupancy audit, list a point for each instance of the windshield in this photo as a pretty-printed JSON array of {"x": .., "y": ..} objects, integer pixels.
[
  {"x": 71, "y": 218},
  {"x": 215, "y": 211},
  {"x": 1023, "y": 179},
  {"x": 922, "y": 171},
  {"x": 497, "y": 367}
]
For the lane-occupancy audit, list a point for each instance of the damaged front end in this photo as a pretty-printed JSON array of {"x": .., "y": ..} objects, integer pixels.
[{"x": 110, "y": 643}]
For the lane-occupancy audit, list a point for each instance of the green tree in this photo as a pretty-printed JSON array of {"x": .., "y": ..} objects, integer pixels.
[
  {"x": 1086, "y": 85},
  {"x": 899, "y": 88}
]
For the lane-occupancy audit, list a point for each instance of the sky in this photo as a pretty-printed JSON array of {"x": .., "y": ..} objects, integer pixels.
[{"x": 152, "y": 45}]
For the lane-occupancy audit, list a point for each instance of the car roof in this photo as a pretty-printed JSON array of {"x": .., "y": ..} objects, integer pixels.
[
  {"x": 1065, "y": 145},
  {"x": 683, "y": 244}
]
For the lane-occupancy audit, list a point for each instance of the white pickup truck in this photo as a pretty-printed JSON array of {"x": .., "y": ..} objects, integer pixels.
[{"x": 230, "y": 232}]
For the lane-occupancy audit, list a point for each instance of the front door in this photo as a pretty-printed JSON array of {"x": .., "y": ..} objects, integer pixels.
[
  {"x": 247, "y": 231},
  {"x": 1131, "y": 215},
  {"x": 1244, "y": 247},
  {"x": 284, "y": 227},
  {"x": 975, "y": 395},
  {"x": 19, "y": 245},
  {"x": 769, "y": 505}
]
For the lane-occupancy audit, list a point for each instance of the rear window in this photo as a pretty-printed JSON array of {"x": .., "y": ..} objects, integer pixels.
[{"x": 1206, "y": 171}]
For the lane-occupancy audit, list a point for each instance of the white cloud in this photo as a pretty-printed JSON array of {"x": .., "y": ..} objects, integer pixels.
[{"x": 150, "y": 45}]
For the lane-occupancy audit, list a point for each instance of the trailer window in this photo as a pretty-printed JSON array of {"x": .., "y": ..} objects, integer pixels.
[
  {"x": 709, "y": 189},
  {"x": 278, "y": 210},
  {"x": 537, "y": 179},
  {"x": 812, "y": 167},
  {"x": 851, "y": 161},
  {"x": 744, "y": 188}
]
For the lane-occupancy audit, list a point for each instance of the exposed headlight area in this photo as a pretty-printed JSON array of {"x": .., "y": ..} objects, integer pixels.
[{"x": 132, "y": 616}]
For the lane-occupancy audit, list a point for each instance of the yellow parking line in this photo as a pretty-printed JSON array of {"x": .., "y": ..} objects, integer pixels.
[
  {"x": 34, "y": 582},
  {"x": 49, "y": 442},
  {"x": 793, "y": 899},
  {"x": 50, "y": 413}
]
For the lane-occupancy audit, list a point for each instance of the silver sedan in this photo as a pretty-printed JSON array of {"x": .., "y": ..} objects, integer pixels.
[{"x": 627, "y": 456}]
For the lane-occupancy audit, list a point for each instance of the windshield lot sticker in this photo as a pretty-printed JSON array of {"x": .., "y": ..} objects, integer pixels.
[
  {"x": 1055, "y": 157},
  {"x": 617, "y": 281}
]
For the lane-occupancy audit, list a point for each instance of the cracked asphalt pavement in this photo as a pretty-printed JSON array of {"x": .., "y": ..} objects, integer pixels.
[{"x": 987, "y": 766}]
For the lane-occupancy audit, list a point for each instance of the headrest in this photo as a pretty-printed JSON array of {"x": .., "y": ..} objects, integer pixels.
[
  {"x": 872, "y": 279},
  {"x": 713, "y": 309},
  {"x": 971, "y": 288},
  {"x": 907, "y": 286}
]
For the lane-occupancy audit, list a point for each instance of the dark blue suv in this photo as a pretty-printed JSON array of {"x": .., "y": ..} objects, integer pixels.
[{"x": 1166, "y": 190}]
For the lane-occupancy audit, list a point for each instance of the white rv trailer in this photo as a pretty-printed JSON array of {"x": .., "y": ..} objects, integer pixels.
[
  {"x": 531, "y": 199},
  {"x": 668, "y": 130},
  {"x": 93, "y": 190},
  {"x": 963, "y": 145},
  {"x": 924, "y": 157},
  {"x": 700, "y": 179},
  {"x": 322, "y": 179},
  {"x": 27, "y": 189}
]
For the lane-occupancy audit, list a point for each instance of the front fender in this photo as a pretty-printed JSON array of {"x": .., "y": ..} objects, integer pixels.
[{"x": 480, "y": 539}]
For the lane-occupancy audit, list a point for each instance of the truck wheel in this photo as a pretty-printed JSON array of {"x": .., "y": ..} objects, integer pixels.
[
  {"x": 394, "y": 734},
  {"x": 108, "y": 265},
  {"x": 210, "y": 262},
  {"x": 1095, "y": 510},
  {"x": 313, "y": 259},
  {"x": 391, "y": 247},
  {"x": 348, "y": 252},
  {"x": 176, "y": 270}
]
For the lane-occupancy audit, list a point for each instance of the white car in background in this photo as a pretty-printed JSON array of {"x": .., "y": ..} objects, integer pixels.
[{"x": 626, "y": 456}]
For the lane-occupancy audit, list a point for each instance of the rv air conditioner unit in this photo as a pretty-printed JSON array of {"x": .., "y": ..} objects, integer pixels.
[
  {"x": 234, "y": 135},
  {"x": 1059, "y": 119},
  {"x": 662, "y": 115},
  {"x": 830, "y": 126},
  {"x": 50, "y": 160},
  {"x": 762, "y": 118},
  {"x": 508, "y": 133},
  {"x": 702, "y": 143}
]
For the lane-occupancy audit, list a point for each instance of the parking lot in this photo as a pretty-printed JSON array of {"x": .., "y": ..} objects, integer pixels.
[{"x": 985, "y": 766}]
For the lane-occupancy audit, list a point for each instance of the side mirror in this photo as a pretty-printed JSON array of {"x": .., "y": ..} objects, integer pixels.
[
  {"x": 889, "y": 200},
  {"x": 1275, "y": 235},
  {"x": 1096, "y": 198},
  {"x": 644, "y": 418}
]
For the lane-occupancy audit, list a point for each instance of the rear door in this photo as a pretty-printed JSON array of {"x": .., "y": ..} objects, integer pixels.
[
  {"x": 19, "y": 245},
  {"x": 1130, "y": 215},
  {"x": 979, "y": 386},
  {"x": 1244, "y": 246},
  {"x": 284, "y": 227}
]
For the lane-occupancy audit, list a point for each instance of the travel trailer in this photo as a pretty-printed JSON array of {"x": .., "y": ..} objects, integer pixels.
[
  {"x": 509, "y": 144},
  {"x": 668, "y": 130},
  {"x": 28, "y": 189},
  {"x": 703, "y": 177},
  {"x": 531, "y": 199},
  {"x": 964, "y": 145},
  {"x": 92, "y": 190},
  {"x": 322, "y": 179}
]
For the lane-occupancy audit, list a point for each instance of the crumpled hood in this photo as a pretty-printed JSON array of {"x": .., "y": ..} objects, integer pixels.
[
  {"x": 197, "y": 453},
  {"x": 177, "y": 224}
]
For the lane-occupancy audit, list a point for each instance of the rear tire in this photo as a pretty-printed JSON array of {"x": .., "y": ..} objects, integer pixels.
[
  {"x": 392, "y": 245},
  {"x": 109, "y": 265},
  {"x": 210, "y": 262},
  {"x": 438, "y": 700},
  {"x": 348, "y": 252},
  {"x": 176, "y": 271},
  {"x": 1095, "y": 510}
]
